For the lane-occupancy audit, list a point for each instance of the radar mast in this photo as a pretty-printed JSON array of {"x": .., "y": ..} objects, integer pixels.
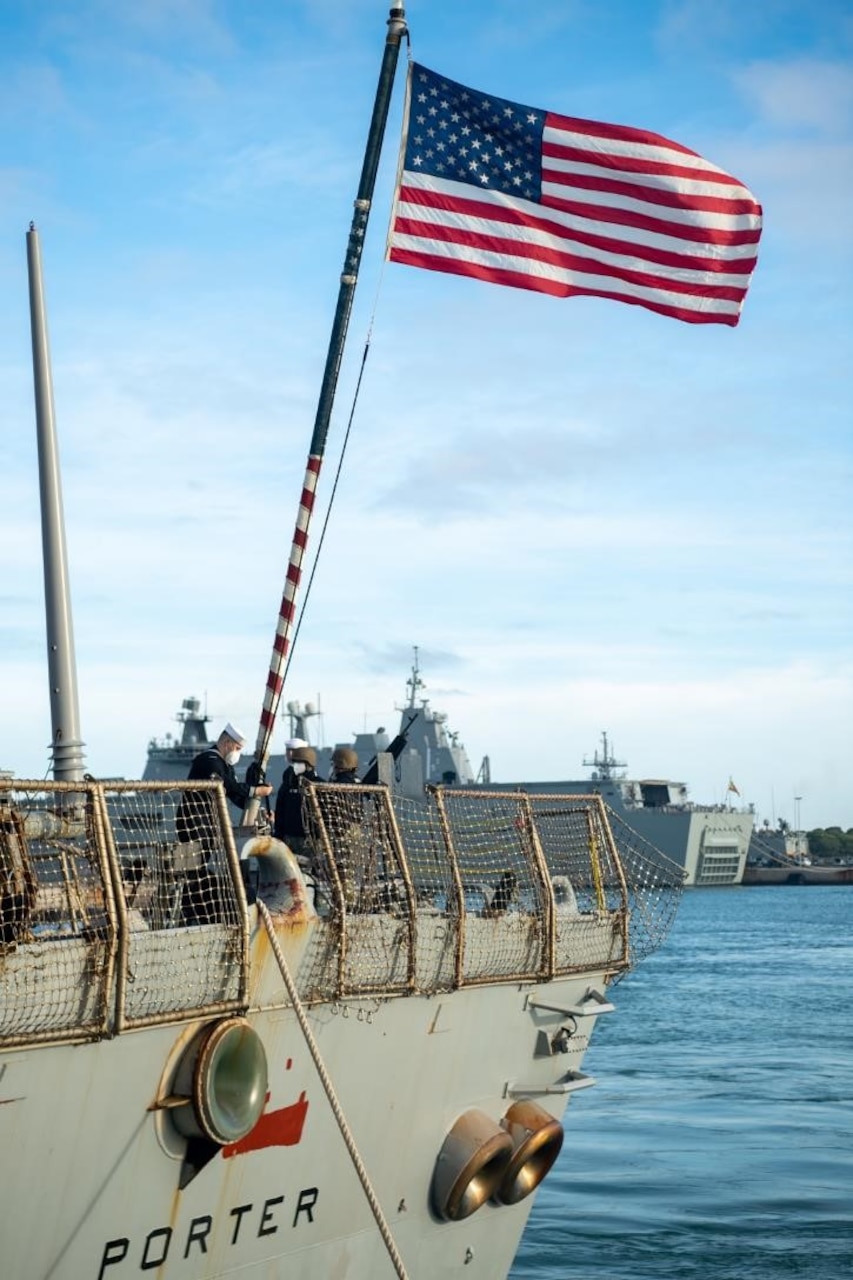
[
  {"x": 414, "y": 683},
  {"x": 604, "y": 765}
]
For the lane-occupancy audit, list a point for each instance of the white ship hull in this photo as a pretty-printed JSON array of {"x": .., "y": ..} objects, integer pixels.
[
  {"x": 403, "y": 1018},
  {"x": 101, "y": 1195}
]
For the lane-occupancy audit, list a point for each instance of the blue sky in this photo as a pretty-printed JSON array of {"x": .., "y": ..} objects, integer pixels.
[{"x": 588, "y": 517}]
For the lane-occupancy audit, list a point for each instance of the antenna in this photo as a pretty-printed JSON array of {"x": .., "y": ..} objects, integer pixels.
[
  {"x": 414, "y": 681},
  {"x": 67, "y": 746},
  {"x": 605, "y": 764}
]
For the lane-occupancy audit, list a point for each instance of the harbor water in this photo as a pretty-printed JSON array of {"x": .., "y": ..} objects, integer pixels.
[{"x": 718, "y": 1142}]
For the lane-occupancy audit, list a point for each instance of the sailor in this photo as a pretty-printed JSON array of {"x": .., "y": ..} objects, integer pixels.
[
  {"x": 344, "y": 765},
  {"x": 345, "y": 821},
  {"x": 289, "y": 822},
  {"x": 195, "y": 819},
  {"x": 502, "y": 896}
]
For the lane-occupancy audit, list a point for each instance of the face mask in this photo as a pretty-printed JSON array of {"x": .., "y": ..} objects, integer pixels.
[
  {"x": 232, "y": 757},
  {"x": 298, "y": 767}
]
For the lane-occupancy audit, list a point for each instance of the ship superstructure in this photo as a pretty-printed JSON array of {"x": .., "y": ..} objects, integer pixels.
[
  {"x": 709, "y": 841},
  {"x": 171, "y": 756},
  {"x": 432, "y": 754}
]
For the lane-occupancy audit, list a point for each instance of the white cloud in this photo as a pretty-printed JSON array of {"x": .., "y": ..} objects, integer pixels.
[{"x": 808, "y": 93}]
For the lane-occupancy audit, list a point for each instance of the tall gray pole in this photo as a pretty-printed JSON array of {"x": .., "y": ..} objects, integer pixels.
[{"x": 64, "y": 710}]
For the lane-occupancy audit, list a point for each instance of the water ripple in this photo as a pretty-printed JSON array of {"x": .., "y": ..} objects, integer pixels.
[{"x": 718, "y": 1144}]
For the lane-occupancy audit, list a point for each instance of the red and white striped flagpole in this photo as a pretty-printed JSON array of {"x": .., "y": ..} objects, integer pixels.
[
  {"x": 349, "y": 277},
  {"x": 287, "y": 612}
]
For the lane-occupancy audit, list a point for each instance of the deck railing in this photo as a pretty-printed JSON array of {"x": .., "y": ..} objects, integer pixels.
[{"x": 125, "y": 904}]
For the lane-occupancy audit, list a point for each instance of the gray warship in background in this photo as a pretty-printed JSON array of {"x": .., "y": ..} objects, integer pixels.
[
  {"x": 709, "y": 841},
  {"x": 429, "y": 752}
]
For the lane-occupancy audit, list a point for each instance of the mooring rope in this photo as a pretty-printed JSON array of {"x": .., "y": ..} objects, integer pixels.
[{"x": 326, "y": 1080}]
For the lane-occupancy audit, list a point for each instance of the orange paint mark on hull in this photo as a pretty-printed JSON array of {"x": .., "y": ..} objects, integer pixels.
[{"x": 282, "y": 1128}]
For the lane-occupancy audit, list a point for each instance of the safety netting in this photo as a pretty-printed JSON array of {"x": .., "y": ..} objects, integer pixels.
[
  {"x": 121, "y": 904},
  {"x": 470, "y": 887},
  {"x": 125, "y": 904},
  {"x": 55, "y": 885}
]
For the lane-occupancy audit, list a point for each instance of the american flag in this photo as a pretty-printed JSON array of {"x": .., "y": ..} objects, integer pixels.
[{"x": 523, "y": 197}]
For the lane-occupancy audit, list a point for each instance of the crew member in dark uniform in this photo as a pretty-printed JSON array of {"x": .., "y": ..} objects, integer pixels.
[
  {"x": 345, "y": 821},
  {"x": 196, "y": 820},
  {"x": 289, "y": 822},
  {"x": 344, "y": 765}
]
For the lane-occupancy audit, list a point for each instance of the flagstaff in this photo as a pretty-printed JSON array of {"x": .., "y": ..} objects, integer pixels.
[{"x": 349, "y": 277}]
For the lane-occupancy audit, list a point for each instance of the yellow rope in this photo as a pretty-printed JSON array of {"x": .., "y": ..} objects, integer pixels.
[
  {"x": 346, "y": 1133},
  {"x": 596, "y": 870}
]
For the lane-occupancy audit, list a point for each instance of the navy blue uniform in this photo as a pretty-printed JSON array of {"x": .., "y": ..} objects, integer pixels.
[
  {"x": 196, "y": 820},
  {"x": 289, "y": 823}
]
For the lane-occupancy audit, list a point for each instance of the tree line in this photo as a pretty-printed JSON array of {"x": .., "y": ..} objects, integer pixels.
[{"x": 831, "y": 842}]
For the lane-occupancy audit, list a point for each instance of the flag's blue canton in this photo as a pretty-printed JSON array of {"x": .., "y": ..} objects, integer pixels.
[{"x": 466, "y": 136}]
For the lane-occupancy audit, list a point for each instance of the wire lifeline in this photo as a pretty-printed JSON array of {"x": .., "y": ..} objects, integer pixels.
[
  {"x": 326, "y": 1080},
  {"x": 365, "y": 353},
  {"x": 334, "y": 490}
]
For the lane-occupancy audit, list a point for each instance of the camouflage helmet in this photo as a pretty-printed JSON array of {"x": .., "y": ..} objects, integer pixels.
[
  {"x": 344, "y": 759},
  {"x": 306, "y": 755}
]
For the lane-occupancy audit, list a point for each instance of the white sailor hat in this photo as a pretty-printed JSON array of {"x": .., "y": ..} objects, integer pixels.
[
  {"x": 293, "y": 743},
  {"x": 234, "y": 734}
]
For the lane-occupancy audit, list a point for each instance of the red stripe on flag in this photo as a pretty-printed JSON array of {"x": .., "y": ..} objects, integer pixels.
[
  {"x": 675, "y": 199},
  {"x": 565, "y": 260},
  {"x": 616, "y": 132},
  {"x": 515, "y": 215},
  {"x": 678, "y": 261},
  {"x": 540, "y": 284},
  {"x": 645, "y": 164}
]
